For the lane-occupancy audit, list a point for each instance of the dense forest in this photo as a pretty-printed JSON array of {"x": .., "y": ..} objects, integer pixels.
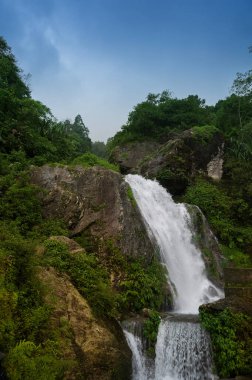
[{"x": 31, "y": 136}]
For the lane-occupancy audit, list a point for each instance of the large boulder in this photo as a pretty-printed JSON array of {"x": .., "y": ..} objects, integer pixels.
[
  {"x": 129, "y": 156},
  {"x": 194, "y": 151},
  {"x": 97, "y": 201},
  {"x": 96, "y": 347}
]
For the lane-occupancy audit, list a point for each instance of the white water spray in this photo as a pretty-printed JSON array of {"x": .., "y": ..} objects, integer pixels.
[
  {"x": 183, "y": 349},
  {"x": 168, "y": 224}
]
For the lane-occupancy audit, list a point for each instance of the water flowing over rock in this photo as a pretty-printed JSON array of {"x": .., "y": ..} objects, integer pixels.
[
  {"x": 168, "y": 223},
  {"x": 183, "y": 350}
]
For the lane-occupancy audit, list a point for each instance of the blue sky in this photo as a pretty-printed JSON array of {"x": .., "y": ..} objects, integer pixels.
[{"x": 99, "y": 58}]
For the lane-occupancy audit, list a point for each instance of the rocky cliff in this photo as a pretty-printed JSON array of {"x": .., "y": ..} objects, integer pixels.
[
  {"x": 97, "y": 201},
  {"x": 175, "y": 163}
]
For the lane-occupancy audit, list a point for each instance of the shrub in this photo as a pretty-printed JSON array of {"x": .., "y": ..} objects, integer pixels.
[
  {"x": 86, "y": 273},
  {"x": 28, "y": 361},
  {"x": 231, "y": 335},
  {"x": 142, "y": 287},
  {"x": 89, "y": 159},
  {"x": 150, "y": 330}
]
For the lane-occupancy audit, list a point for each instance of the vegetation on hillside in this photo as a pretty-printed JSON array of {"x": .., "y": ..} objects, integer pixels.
[
  {"x": 231, "y": 335},
  {"x": 30, "y": 135}
]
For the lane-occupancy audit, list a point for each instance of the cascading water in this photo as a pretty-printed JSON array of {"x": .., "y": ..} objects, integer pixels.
[
  {"x": 182, "y": 349},
  {"x": 142, "y": 366}
]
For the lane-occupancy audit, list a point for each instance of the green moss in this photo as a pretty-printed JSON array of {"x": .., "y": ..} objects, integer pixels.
[{"x": 131, "y": 197}]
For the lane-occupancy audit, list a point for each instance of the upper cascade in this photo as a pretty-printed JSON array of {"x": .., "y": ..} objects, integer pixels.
[{"x": 168, "y": 225}]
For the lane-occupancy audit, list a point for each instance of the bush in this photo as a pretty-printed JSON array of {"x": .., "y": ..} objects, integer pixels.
[
  {"x": 19, "y": 202},
  {"x": 89, "y": 159},
  {"x": 28, "y": 361},
  {"x": 150, "y": 330},
  {"x": 86, "y": 274},
  {"x": 231, "y": 335},
  {"x": 223, "y": 213},
  {"x": 142, "y": 287},
  {"x": 204, "y": 133}
]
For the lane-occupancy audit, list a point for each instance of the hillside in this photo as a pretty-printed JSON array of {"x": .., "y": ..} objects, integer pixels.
[{"x": 75, "y": 255}]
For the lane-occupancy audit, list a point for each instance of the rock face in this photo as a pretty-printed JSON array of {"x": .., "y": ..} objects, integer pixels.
[
  {"x": 97, "y": 348},
  {"x": 176, "y": 162},
  {"x": 207, "y": 243},
  {"x": 215, "y": 166},
  {"x": 182, "y": 157},
  {"x": 95, "y": 200},
  {"x": 130, "y": 155}
]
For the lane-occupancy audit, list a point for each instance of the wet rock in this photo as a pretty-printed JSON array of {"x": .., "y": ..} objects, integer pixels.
[{"x": 206, "y": 241}]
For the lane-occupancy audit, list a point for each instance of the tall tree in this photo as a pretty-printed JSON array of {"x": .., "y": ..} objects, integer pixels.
[{"x": 10, "y": 73}]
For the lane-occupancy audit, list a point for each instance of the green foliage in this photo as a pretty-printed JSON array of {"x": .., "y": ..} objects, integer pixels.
[
  {"x": 20, "y": 203},
  {"x": 28, "y": 125},
  {"x": 204, "y": 133},
  {"x": 236, "y": 257},
  {"x": 86, "y": 273},
  {"x": 99, "y": 149},
  {"x": 47, "y": 228},
  {"x": 231, "y": 335},
  {"x": 159, "y": 115},
  {"x": 10, "y": 74},
  {"x": 89, "y": 159},
  {"x": 150, "y": 330},
  {"x": 224, "y": 211},
  {"x": 30, "y": 361},
  {"x": 131, "y": 197},
  {"x": 142, "y": 287}
]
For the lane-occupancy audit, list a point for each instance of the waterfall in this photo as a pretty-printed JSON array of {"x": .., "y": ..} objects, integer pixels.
[
  {"x": 142, "y": 366},
  {"x": 182, "y": 352},
  {"x": 183, "y": 348},
  {"x": 168, "y": 223}
]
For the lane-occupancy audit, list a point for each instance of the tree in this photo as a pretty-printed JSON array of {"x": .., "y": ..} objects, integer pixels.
[
  {"x": 99, "y": 149},
  {"x": 242, "y": 87},
  {"x": 10, "y": 73}
]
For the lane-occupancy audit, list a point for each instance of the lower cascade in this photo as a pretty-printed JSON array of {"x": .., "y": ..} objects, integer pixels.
[{"x": 183, "y": 350}]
